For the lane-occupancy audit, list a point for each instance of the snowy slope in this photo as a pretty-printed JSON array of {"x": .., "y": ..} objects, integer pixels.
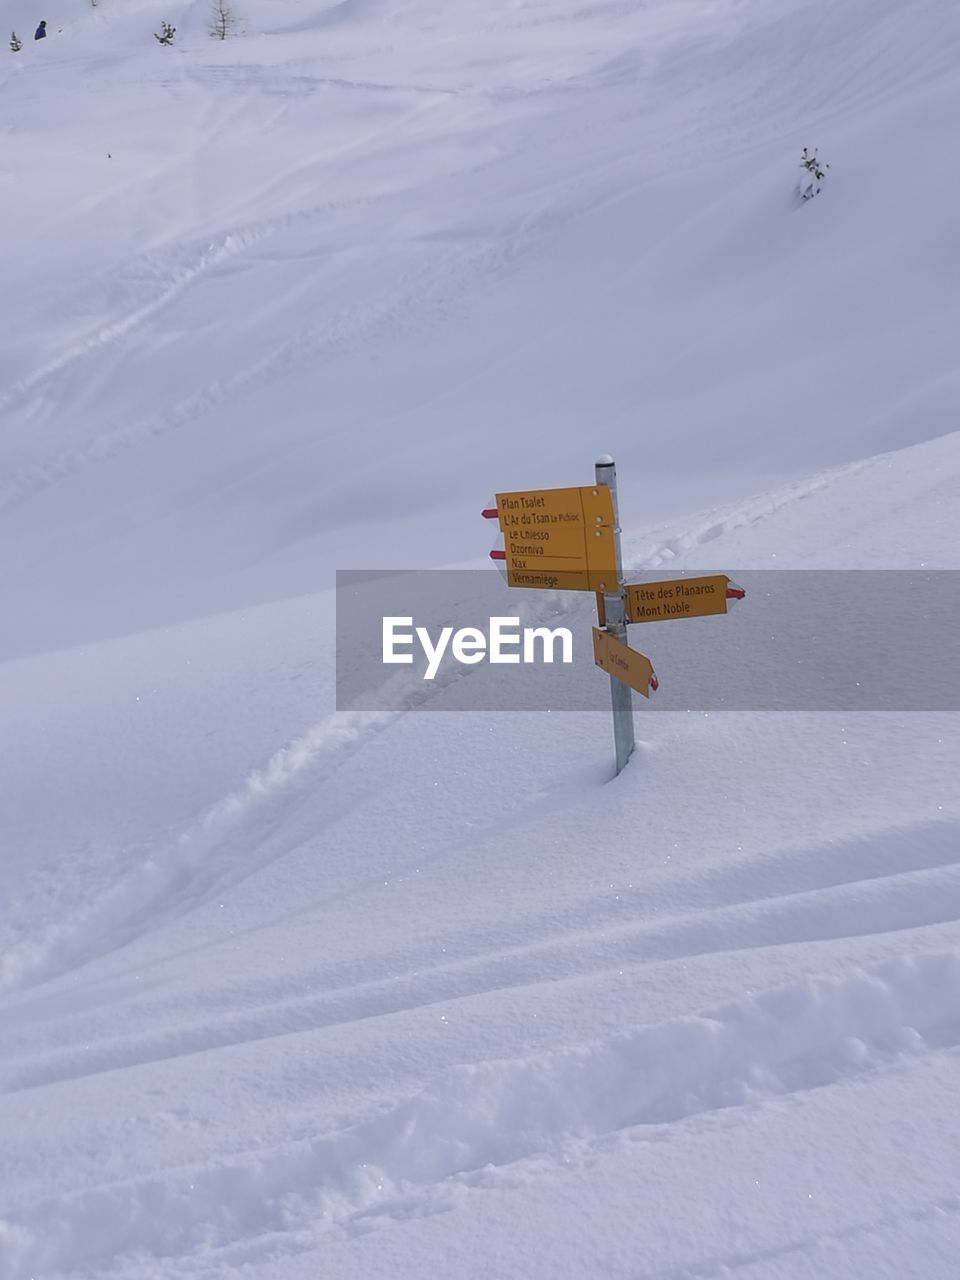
[
  {"x": 291, "y": 993},
  {"x": 483, "y": 245}
]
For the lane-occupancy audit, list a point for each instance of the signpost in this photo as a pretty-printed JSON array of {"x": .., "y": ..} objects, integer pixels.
[
  {"x": 569, "y": 540},
  {"x": 623, "y": 663},
  {"x": 559, "y": 539},
  {"x": 615, "y": 624},
  {"x": 677, "y": 598}
]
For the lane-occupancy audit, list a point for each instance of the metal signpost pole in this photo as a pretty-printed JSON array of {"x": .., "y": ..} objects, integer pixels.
[{"x": 616, "y": 625}]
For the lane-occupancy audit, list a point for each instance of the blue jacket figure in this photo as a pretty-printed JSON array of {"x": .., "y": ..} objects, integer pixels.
[{"x": 41, "y": 31}]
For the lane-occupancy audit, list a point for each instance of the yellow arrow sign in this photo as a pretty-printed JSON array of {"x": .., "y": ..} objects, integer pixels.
[
  {"x": 559, "y": 538},
  {"x": 622, "y": 662},
  {"x": 677, "y": 598}
]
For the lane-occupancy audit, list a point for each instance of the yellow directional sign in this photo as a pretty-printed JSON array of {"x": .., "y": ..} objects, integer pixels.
[
  {"x": 622, "y": 662},
  {"x": 677, "y": 598},
  {"x": 559, "y": 538}
]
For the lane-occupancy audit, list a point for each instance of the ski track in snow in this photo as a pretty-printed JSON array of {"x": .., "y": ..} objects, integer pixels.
[
  {"x": 171, "y": 874},
  {"x": 723, "y": 520},
  {"x": 187, "y": 871},
  {"x": 174, "y": 269},
  {"x": 890, "y": 883},
  {"x": 440, "y": 284},
  {"x": 433, "y": 292},
  {"x": 479, "y": 1119}
]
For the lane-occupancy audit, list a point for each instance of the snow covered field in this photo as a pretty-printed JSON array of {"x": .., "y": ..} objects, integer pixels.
[{"x": 297, "y": 994}]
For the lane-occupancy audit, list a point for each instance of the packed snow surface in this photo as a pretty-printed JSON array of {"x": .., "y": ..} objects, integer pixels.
[{"x": 291, "y": 993}]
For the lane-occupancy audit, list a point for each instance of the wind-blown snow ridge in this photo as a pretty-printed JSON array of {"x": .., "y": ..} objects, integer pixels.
[{"x": 476, "y": 1119}]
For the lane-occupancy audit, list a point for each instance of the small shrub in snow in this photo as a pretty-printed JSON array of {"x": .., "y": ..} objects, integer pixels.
[
  {"x": 16, "y": 44},
  {"x": 166, "y": 33},
  {"x": 223, "y": 19},
  {"x": 813, "y": 172}
]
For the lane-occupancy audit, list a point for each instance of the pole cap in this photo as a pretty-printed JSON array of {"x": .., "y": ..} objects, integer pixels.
[{"x": 604, "y": 460}]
